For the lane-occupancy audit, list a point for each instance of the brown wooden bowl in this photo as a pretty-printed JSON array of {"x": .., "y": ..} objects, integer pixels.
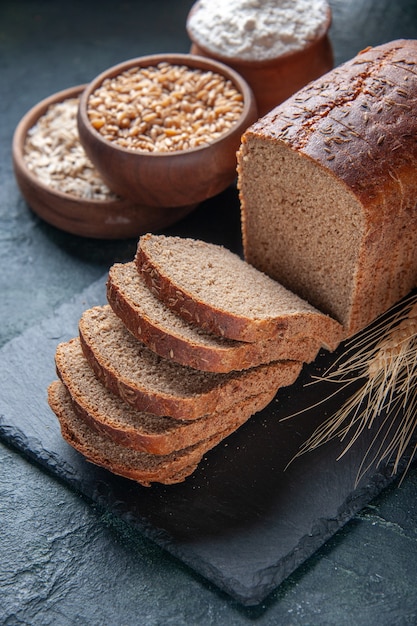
[
  {"x": 104, "y": 219},
  {"x": 274, "y": 80},
  {"x": 167, "y": 179}
]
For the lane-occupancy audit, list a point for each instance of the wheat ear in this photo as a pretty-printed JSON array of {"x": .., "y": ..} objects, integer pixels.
[{"x": 385, "y": 360}]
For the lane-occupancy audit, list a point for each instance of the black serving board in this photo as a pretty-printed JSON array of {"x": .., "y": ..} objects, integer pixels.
[{"x": 243, "y": 520}]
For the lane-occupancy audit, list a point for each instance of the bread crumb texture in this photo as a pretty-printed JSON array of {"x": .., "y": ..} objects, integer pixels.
[
  {"x": 224, "y": 294},
  {"x": 172, "y": 337}
]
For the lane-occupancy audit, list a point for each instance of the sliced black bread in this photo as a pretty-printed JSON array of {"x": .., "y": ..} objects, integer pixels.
[
  {"x": 159, "y": 386},
  {"x": 114, "y": 418},
  {"x": 214, "y": 288},
  {"x": 172, "y": 337},
  {"x": 139, "y": 466}
]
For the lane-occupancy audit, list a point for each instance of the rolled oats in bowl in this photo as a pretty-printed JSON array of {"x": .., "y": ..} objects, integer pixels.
[
  {"x": 61, "y": 185},
  {"x": 54, "y": 154}
]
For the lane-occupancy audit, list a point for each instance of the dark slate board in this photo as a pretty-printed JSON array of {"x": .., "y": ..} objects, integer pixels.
[{"x": 241, "y": 521}]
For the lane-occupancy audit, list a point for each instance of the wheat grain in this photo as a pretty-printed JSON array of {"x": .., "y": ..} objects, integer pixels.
[{"x": 164, "y": 108}]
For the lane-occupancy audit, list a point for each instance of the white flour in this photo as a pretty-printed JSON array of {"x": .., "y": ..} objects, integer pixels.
[{"x": 256, "y": 29}]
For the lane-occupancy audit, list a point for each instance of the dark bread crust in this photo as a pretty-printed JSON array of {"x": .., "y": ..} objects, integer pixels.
[
  {"x": 218, "y": 355},
  {"x": 353, "y": 118},
  {"x": 218, "y": 392},
  {"x": 188, "y": 433},
  {"x": 111, "y": 416},
  {"x": 142, "y": 467},
  {"x": 358, "y": 123}
]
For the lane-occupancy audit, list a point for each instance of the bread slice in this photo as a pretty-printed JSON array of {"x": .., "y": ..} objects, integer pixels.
[
  {"x": 142, "y": 467},
  {"x": 110, "y": 415},
  {"x": 172, "y": 337},
  {"x": 160, "y": 386},
  {"x": 328, "y": 187},
  {"x": 214, "y": 288}
]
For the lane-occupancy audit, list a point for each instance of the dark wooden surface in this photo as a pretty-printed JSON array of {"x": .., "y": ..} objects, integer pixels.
[{"x": 63, "y": 561}]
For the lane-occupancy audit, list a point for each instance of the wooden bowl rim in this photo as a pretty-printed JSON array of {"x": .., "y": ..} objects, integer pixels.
[
  {"x": 25, "y": 124},
  {"x": 259, "y": 63},
  {"x": 187, "y": 59}
]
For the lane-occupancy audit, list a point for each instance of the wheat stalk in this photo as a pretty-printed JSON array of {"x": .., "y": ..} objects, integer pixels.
[{"x": 384, "y": 361}]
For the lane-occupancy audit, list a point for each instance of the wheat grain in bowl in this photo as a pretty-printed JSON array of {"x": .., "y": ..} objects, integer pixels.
[
  {"x": 164, "y": 129},
  {"x": 165, "y": 107},
  {"x": 62, "y": 186}
]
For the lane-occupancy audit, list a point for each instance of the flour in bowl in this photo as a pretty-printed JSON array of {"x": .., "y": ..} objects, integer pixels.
[{"x": 256, "y": 29}]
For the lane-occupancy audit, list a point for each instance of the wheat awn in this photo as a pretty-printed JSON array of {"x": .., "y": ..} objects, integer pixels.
[{"x": 383, "y": 359}]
